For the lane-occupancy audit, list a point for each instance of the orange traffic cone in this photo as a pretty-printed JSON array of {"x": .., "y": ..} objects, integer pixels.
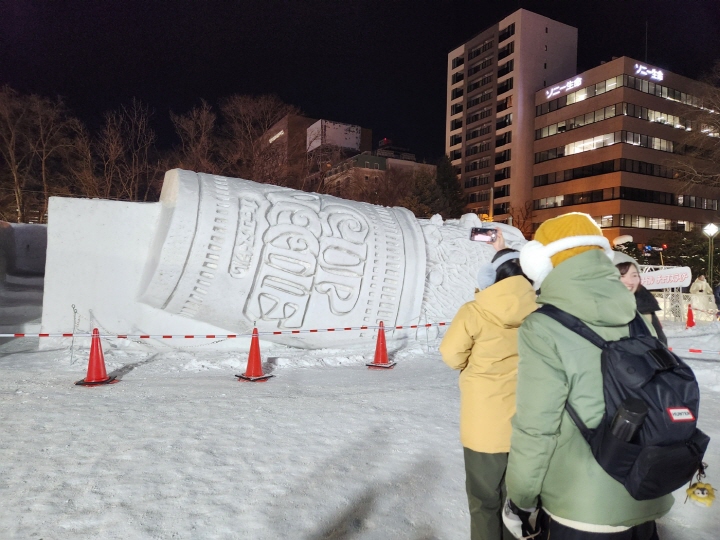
[
  {"x": 381, "y": 355},
  {"x": 96, "y": 373},
  {"x": 690, "y": 318},
  {"x": 254, "y": 372}
]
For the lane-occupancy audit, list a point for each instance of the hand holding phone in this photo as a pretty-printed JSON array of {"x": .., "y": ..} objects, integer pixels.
[
  {"x": 483, "y": 234},
  {"x": 489, "y": 235}
]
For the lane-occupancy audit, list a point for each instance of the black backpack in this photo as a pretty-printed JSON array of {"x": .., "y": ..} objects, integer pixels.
[{"x": 667, "y": 449}]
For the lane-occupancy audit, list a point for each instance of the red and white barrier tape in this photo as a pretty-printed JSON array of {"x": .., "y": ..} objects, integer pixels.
[
  {"x": 222, "y": 336},
  {"x": 274, "y": 333},
  {"x": 693, "y": 351},
  {"x": 708, "y": 311}
]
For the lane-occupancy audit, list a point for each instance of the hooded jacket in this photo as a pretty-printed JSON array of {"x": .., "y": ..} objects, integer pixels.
[
  {"x": 550, "y": 458},
  {"x": 482, "y": 343}
]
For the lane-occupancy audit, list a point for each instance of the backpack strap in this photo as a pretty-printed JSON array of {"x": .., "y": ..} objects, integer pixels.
[
  {"x": 637, "y": 328},
  {"x": 571, "y": 322},
  {"x": 586, "y": 432}
]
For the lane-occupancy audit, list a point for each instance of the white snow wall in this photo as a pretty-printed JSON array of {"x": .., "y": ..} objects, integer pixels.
[{"x": 96, "y": 254}]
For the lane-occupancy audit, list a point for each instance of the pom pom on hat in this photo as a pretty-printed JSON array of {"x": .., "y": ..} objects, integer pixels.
[{"x": 571, "y": 224}]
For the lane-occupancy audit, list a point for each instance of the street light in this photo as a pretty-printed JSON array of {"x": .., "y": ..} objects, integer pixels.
[{"x": 710, "y": 231}]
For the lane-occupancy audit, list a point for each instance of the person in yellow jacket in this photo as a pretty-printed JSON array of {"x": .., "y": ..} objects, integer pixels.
[{"x": 482, "y": 342}]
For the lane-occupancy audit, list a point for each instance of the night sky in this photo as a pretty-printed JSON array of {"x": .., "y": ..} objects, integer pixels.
[{"x": 379, "y": 64}]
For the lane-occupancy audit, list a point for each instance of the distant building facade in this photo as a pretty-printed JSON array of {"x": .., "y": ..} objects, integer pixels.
[
  {"x": 388, "y": 150},
  {"x": 374, "y": 166},
  {"x": 606, "y": 145},
  {"x": 304, "y": 146},
  {"x": 288, "y": 141},
  {"x": 530, "y": 138}
]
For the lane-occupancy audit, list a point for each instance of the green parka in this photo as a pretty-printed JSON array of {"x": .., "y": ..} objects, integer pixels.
[{"x": 549, "y": 458}]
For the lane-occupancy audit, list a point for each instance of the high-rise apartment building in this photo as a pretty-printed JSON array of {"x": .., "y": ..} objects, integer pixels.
[
  {"x": 492, "y": 80},
  {"x": 606, "y": 142}
]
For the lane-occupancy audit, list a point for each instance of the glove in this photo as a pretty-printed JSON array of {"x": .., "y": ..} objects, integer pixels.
[{"x": 521, "y": 522}]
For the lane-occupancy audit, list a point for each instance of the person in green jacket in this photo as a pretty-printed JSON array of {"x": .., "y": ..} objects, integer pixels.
[
  {"x": 481, "y": 342},
  {"x": 550, "y": 463}
]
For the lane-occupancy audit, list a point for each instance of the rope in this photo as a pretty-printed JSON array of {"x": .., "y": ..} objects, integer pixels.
[{"x": 108, "y": 335}]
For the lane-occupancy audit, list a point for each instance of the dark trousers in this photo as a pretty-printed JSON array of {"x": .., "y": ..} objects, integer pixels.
[
  {"x": 485, "y": 486},
  {"x": 552, "y": 530}
]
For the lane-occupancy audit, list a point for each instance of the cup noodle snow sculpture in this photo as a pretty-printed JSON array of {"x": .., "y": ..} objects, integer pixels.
[{"x": 234, "y": 254}]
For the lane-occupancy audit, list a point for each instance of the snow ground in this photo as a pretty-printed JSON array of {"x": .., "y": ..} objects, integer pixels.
[
  {"x": 180, "y": 449},
  {"x": 326, "y": 449}
]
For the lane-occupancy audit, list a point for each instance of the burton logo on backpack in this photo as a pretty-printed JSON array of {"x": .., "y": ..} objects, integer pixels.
[{"x": 648, "y": 439}]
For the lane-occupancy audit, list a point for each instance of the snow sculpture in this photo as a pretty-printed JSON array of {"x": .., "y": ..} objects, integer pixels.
[
  {"x": 701, "y": 296},
  {"x": 234, "y": 253}
]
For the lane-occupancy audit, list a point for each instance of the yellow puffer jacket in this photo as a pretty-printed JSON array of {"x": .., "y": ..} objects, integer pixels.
[{"x": 482, "y": 342}]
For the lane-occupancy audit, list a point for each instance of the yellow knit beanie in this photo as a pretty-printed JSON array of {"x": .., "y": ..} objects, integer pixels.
[{"x": 571, "y": 224}]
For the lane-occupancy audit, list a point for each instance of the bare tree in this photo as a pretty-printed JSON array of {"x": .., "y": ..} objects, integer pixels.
[
  {"x": 246, "y": 119},
  {"x": 53, "y": 135},
  {"x": 44, "y": 151},
  {"x": 198, "y": 140},
  {"x": 15, "y": 148},
  {"x": 697, "y": 159},
  {"x": 141, "y": 142},
  {"x": 125, "y": 148},
  {"x": 82, "y": 165},
  {"x": 110, "y": 149},
  {"x": 522, "y": 218}
]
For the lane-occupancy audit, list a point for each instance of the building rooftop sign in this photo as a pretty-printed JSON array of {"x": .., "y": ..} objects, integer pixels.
[
  {"x": 569, "y": 85},
  {"x": 276, "y": 136},
  {"x": 644, "y": 71}
]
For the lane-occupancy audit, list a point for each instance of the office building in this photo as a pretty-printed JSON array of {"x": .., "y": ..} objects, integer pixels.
[
  {"x": 492, "y": 80},
  {"x": 287, "y": 141},
  {"x": 607, "y": 142}
]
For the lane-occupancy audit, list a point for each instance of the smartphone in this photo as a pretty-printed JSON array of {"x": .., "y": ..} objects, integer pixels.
[{"x": 483, "y": 234}]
